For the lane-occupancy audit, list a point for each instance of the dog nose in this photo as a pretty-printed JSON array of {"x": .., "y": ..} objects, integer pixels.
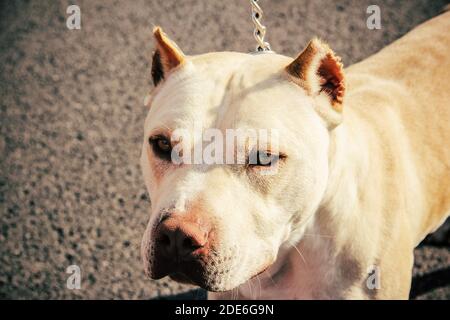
[{"x": 179, "y": 240}]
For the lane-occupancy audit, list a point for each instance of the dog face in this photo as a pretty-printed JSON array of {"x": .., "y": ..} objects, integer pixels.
[{"x": 218, "y": 225}]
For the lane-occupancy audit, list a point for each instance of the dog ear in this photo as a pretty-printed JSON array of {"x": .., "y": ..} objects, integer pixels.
[
  {"x": 167, "y": 56},
  {"x": 318, "y": 69}
]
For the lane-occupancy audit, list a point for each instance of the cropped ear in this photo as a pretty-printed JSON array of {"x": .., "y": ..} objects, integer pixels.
[
  {"x": 167, "y": 56},
  {"x": 319, "y": 70}
]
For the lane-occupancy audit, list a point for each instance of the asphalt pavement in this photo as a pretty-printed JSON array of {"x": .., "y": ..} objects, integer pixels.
[{"x": 71, "y": 119}]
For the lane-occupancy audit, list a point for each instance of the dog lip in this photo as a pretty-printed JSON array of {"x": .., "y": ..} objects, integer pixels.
[
  {"x": 263, "y": 270},
  {"x": 157, "y": 275},
  {"x": 182, "y": 278},
  {"x": 160, "y": 270}
]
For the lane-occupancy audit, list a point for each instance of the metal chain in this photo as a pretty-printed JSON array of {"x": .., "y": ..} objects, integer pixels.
[{"x": 260, "y": 30}]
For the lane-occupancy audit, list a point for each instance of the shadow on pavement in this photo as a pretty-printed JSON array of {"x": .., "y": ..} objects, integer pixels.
[
  {"x": 197, "y": 294},
  {"x": 430, "y": 281}
]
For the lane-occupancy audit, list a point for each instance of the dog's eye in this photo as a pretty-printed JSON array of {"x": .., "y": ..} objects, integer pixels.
[
  {"x": 263, "y": 159},
  {"x": 161, "y": 146}
]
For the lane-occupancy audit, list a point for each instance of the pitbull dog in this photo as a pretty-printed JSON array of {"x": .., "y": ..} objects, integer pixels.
[{"x": 363, "y": 169}]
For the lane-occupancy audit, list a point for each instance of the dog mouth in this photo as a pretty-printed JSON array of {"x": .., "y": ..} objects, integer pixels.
[
  {"x": 259, "y": 273},
  {"x": 202, "y": 282},
  {"x": 197, "y": 275},
  {"x": 207, "y": 283},
  {"x": 182, "y": 278},
  {"x": 201, "y": 270},
  {"x": 192, "y": 272}
]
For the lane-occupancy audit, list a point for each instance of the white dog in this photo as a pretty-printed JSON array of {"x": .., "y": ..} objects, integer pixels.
[{"x": 363, "y": 169}]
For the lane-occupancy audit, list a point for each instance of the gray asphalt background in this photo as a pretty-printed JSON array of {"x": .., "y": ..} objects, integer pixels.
[{"x": 71, "y": 120}]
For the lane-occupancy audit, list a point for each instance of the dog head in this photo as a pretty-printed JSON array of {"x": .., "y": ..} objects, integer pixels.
[{"x": 217, "y": 225}]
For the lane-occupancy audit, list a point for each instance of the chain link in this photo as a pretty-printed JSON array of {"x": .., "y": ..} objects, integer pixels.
[{"x": 260, "y": 30}]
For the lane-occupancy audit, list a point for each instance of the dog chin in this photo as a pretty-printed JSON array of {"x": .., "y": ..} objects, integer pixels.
[
  {"x": 181, "y": 278},
  {"x": 209, "y": 285},
  {"x": 204, "y": 284}
]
